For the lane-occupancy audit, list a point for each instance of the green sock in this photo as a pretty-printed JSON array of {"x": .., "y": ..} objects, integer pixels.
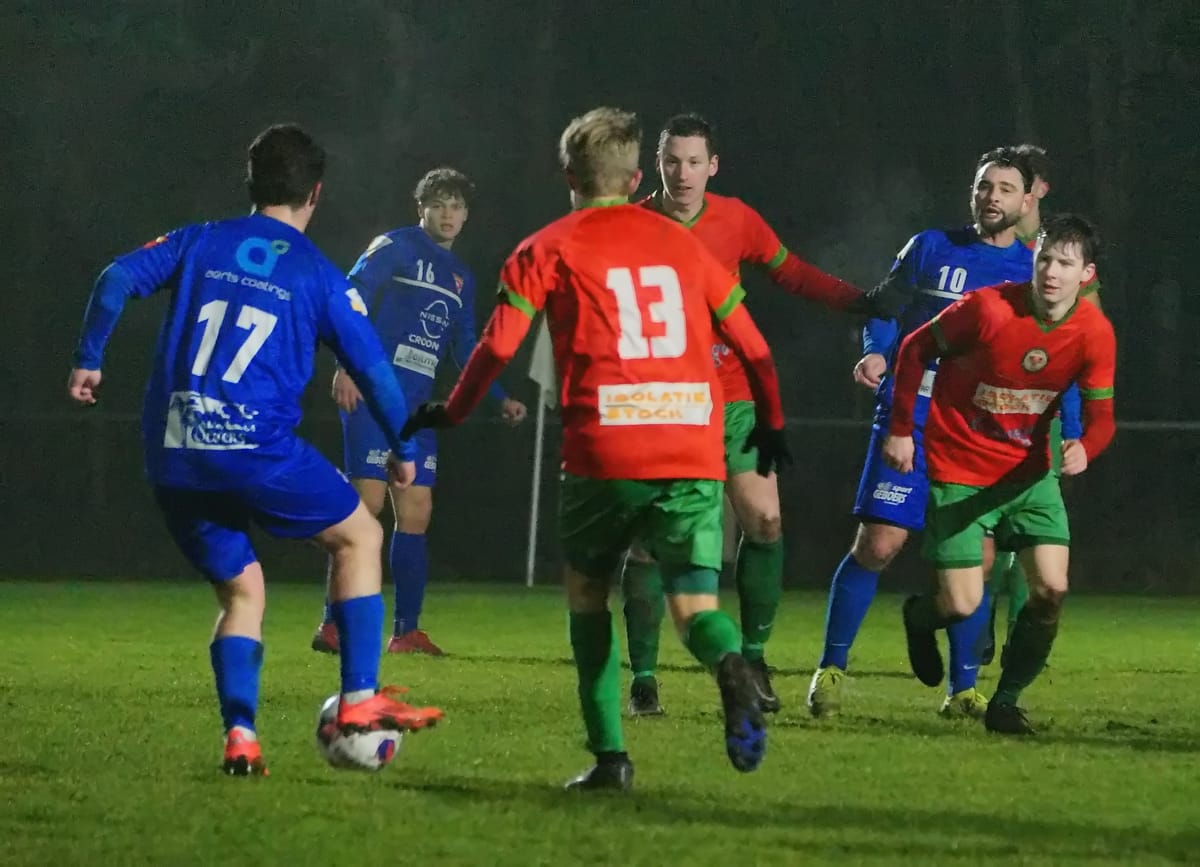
[
  {"x": 759, "y": 586},
  {"x": 645, "y": 606},
  {"x": 597, "y": 659},
  {"x": 1028, "y": 649},
  {"x": 710, "y": 635},
  {"x": 1018, "y": 593}
]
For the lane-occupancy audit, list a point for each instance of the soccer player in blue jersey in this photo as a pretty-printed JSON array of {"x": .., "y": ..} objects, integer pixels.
[
  {"x": 421, "y": 298},
  {"x": 249, "y": 300},
  {"x": 933, "y": 271}
]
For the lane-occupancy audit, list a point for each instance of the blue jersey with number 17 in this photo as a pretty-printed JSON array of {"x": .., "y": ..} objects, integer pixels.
[
  {"x": 934, "y": 270},
  {"x": 251, "y": 299}
]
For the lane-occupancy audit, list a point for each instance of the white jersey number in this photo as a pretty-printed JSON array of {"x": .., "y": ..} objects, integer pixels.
[
  {"x": 667, "y": 311},
  {"x": 260, "y": 324}
]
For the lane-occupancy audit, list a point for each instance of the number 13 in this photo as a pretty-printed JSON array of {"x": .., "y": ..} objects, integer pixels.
[{"x": 668, "y": 311}]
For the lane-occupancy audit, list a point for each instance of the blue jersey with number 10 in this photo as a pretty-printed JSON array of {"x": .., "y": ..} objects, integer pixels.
[
  {"x": 934, "y": 270},
  {"x": 251, "y": 299}
]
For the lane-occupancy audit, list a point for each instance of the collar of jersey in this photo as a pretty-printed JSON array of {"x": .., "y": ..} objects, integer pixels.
[
  {"x": 609, "y": 202},
  {"x": 1047, "y": 327},
  {"x": 687, "y": 224}
]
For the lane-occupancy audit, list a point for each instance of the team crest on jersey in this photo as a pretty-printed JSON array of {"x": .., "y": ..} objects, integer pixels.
[
  {"x": 1034, "y": 360},
  {"x": 458, "y": 284}
]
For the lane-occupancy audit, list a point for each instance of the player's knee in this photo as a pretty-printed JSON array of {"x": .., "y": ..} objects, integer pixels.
[
  {"x": 876, "y": 545},
  {"x": 765, "y": 526},
  {"x": 245, "y": 593},
  {"x": 585, "y": 594},
  {"x": 1047, "y": 601},
  {"x": 959, "y": 603}
]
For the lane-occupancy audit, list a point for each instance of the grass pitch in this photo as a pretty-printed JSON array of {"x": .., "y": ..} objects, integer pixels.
[{"x": 112, "y": 743}]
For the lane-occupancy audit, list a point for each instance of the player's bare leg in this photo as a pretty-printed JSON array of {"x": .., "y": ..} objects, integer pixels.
[
  {"x": 598, "y": 664},
  {"x": 372, "y": 492},
  {"x": 875, "y": 546},
  {"x": 642, "y": 589},
  {"x": 1033, "y": 636},
  {"x": 759, "y": 573},
  {"x": 355, "y": 585},
  {"x": 236, "y": 651},
  {"x": 732, "y": 538},
  {"x": 409, "y": 560}
]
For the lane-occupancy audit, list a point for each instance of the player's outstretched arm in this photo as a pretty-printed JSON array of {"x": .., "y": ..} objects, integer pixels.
[{"x": 502, "y": 336}]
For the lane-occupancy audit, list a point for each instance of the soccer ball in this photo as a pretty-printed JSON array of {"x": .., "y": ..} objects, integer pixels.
[{"x": 359, "y": 751}]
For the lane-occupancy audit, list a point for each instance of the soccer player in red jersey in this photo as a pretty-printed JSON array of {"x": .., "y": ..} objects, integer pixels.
[
  {"x": 1008, "y": 353},
  {"x": 736, "y": 234},
  {"x": 632, "y": 302}
]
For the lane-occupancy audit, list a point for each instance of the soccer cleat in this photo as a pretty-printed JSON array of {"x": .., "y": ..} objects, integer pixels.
[
  {"x": 643, "y": 697},
  {"x": 1007, "y": 719},
  {"x": 243, "y": 756},
  {"x": 381, "y": 712},
  {"x": 825, "y": 692},
  {"x": 414, "y": 641},
  {"x": 612, "y": 772},
  {"x": 745, "y": 727},
  {"x": 924, "y": 655},
  {"x": 767, "y": 699},
  {"x": 325, "y": 639},
  {"x": 966, "y": 704}
]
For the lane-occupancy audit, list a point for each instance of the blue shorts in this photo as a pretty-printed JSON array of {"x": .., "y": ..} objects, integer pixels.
[
  {"x": 889, "y": 496},
  {"x": 365, "y": 449},
  {"x": 297, "y": 498}
]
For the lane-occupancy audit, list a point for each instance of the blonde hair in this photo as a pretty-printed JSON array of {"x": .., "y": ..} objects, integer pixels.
[{"x": 600, "y": 149}]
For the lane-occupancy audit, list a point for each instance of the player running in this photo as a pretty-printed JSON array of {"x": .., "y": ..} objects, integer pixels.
[
  {"x": 934, "y": 270},
  {"x": 1005, "y": 576},
  {"x": 1008, "y": 353},
  {"x": 736, "y": 234},
  {"x": 631, "y": 301},
  {"x": 421, "y": 297},
  {"x": 250, "y": 298}
]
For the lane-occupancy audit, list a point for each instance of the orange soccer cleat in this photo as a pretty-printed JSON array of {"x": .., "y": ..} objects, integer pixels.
[
  {"x": 382, "y": 712},
  {"x": 414, "y": 641},
  {"x": 243, "y": 756}
]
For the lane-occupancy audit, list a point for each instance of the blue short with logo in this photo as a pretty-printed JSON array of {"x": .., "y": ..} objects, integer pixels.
[
  {"x": 295, "y": 495},
  {"x": 887, "y": 495},
  {"x": 365, "y": 448}
]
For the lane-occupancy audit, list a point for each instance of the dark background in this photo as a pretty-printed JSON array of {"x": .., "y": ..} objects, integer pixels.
[{"x": 848, "y": 126}]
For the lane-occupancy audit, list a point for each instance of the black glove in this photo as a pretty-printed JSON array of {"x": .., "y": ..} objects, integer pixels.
[
  {"x": 432, "y": 414},
  {"x": 772, "y": 448}
]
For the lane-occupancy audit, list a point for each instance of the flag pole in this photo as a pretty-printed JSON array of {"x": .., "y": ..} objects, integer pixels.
[{"x": 536, "y": 493}]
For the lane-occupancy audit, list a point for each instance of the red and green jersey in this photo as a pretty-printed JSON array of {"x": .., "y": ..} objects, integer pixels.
[
  {"x": 735, "y": 233},
  {"x": 1002, "y": 375},
  {"x": 631, "y": 302}
]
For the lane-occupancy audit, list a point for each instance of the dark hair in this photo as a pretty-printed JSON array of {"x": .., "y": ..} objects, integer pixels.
[
  {"x": 1039, "y": 163},
  {"x": 1071, "y": 229},
  {"x": 444, "y": 182},
  {"x": 686, "y": 126},
  {"x": 1008, "y": 158},
  {"x": 283, "y": 166}
]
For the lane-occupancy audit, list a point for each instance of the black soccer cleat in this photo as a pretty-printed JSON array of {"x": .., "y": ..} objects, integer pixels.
[
  {"x": 643, "y": 698},
  {"x": 1007, "y": 719},
  {"x": 924, "y": 655},
  {"x": 767, "y": 699},
  {"x": 745, "y": 727},
  {"x": 612, "y": 772}
]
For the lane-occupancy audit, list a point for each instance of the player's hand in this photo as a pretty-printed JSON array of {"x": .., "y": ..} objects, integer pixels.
[
  {"x": 1074, "y": 458},
  {"x": 870, "y": 370},
  {"x": 345, "y": 393},
  {"x": 513, "y": 412},
  {"x": 401, "y": 474},
  {"x": 898, "y": 453},
  {"x": 431, "y": 414},
  {"x": 773, "y": 453},
  {"x": 84, "y": 386}
]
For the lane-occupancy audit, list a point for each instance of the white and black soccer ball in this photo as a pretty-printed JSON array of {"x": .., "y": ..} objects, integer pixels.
[{"x": 359, "y": 751}]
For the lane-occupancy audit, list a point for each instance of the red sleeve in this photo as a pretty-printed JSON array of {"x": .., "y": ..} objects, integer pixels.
[
  {"x": 806, "y": 281},
  {"x": 760, "y": 244},
  {"x": 740, "y": 334},
  {"x": 525, "y": 281},
  {"x": 1096, "y": 388},
  {"x": 952, "y": 331}
]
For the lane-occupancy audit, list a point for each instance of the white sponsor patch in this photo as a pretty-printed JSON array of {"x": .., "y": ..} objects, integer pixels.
[
  {"x": 886, "y": 492},
  {"x": 196, "y": 421},
  {"x": 431, "y": 463},
  {"x": 377, "y": 457},
  {"x": 1013, "y": 401},
  {"x": 417, "y": 360},
  {"x": 655, "y": 403},
  {"x": 926, "y": 389}
]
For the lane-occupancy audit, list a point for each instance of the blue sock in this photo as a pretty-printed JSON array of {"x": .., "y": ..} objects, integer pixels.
[
  {"x": 850, "y": 596},
  {"x": 360, "y": 630},
  {"x": 236, "y": 662},
  {"x": 409, "y": 565},
  {"x": 965, "y": 637}
]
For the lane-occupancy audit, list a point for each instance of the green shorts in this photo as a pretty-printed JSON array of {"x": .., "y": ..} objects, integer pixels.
[
  {"x": 739, "y": 421},
  {"x": 1022, "y": 514},
  {"x": 677, "y": 520},
  {"x": 1056, "y": 441}
]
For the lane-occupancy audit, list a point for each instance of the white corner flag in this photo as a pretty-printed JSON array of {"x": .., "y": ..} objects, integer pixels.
[{"x": 541, "y": 371}]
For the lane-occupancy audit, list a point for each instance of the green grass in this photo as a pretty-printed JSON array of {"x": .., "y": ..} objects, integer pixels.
[{"x": 112, "y": 745}]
